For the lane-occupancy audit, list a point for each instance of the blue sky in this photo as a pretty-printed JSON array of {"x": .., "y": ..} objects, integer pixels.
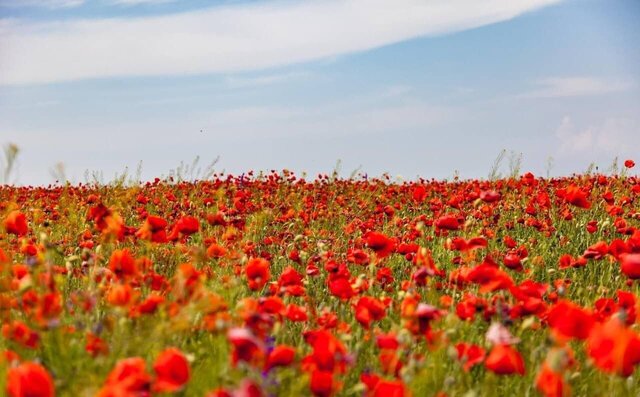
[{"x": 407, "y": 87}]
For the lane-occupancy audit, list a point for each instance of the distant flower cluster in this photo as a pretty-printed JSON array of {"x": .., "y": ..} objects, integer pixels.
[{"x": 273, "y": 285}]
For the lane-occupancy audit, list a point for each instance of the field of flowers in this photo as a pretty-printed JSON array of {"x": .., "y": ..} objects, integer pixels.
[{"x": 272, "y": 285}]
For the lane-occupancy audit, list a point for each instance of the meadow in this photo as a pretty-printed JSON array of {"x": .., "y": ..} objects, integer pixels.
[{"x": 273, "y": 285}]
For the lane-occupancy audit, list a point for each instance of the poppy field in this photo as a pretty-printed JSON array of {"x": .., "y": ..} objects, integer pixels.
[{"x": 274, "y": 285}]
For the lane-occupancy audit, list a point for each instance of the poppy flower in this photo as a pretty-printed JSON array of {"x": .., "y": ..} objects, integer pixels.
[
  {"x": 296, "y": 313},
  {"x": 257, "y": 272},
  {"x": 460, "y": 244},
  {"x": 566, "y": 261},
  {"x": 382, "y": 245},
  {"x": 630, "y": 265},
  {"x": 329, "y": 354},
  {"x": 321, "y": 384},
  {"x": 21, "y": 333},
  {"x": 358, "y": 256},
  {"x": 341, "y": 288},
  {"x": 150, "y": 304},
  {"x": 120, "y": 295},
  {"x": 469, "y": 355},
  {"x": 387, "y": 341},
  {"x": 629, "y": 163},
  {"x": 128, "y": 377},
  {"x": 172, "y": 371},
  {"x": 490, "y": 196},
  {"x": 489, "y": 277},
  {"x": 447, "y": 222},
  {"x": 246, "y": 346},
  {"x": 568, "y": 320},
  {"x": 280, "y": 356},
  {"x": 614, "y": 348},
  {"x": 122, "y": 263},
  {"x": 29, "y": 380},
  {"x": 504, "y": 360},
  {"x": 577, "y": 197},
  {"x": 95, "y": 345},
  {"x": 153, "y": 230},
  {"x": 419, "y": 194},
  {"x": 185, "y": 226},
  {"x": 551, "y": 383},
  {"x": 16, "y": 223},
  {"x": 596, "y": 251},
  {"x": 369, "y": 309},
  {"x": 387, "y": 388},
  {"x": 216, "y": 251},
  {"x": 513, "y": 261}
]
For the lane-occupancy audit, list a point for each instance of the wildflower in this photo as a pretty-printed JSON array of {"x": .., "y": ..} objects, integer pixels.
[
  {"x": 504, "y": 360},
  {"x": 16, "y": 223},
  {"x": 172, "y": 371},
  {"x": 29, "y": 379}
]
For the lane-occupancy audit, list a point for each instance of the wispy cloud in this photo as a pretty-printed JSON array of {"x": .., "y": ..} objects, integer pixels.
[
  {"x": 139, "y": 2},
  {"x": 265, "y": 79},
  {"x": 614, "y": 136},
  {"x": 232, "y": 38},
  {"x": 41, "y": 3},
  {"x": 560, "y": 87}
]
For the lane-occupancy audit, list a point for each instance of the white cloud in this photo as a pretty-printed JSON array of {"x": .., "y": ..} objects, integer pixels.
[
  {"x": 138, "y": 2},
  {"x": 266, "y": 79},
  {"x": 231, "y": 38},
  {"x": 41, "y": 3},
  {"x": 560, "y": 87},
  {"x": 614, "y": 136}
]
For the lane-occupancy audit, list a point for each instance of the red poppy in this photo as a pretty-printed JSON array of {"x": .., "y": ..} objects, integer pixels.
[
  {"x": 369, "y": 309},
  {"x": 614, "y": 348},
  {"x": 447, "y": 222},
  {"x": 460, "y": 244},
  {"x": 341, "y": 288},
  {"x": 120, "y": 294},
  {"x": 490, "y": 196},
  {"x": 596, "y": 251},
  {"x": 128, "y": 376},
  {"x": 419, "y": 194},
  {"x": 576, "y": 196},
  {"x": 566, "y": 261},
  {"x": 16, "y": 223},
  {"x": 381, "y": 244},
  {"x": 150, "y": 305},
  {"x": 469, "y": 355},
  {"x": 257, "y": 272},
  {"x": 246, "y": 346},
  {"x": 321, "y": 384},
  {"x": 387, "y": 388},
  {"x": 172, "y": 371},
  {"x": 630, "y": 265},
  {"x": 513, "y": 261},
  {"x": 21, "y": 333},
  {"x": 329, "y": 354},
  {"x": 185, "y": 226},
  {"x": 505, "y": 360},
  {"x": 629, "y": 163},
  {"x": 551, "y": 383},
  {"x": 490, "y": 278},
  {"x": 122, "y": 263},
  {"x": 153, "y": 229},
  {"x": 280, "y": 356},
  {"x": 296, "y": 313},
  {"x": 216, "y": 251},
  {"x": 95, "y": 345},
  {"x": 568, "y": 320},
  {"x": 29, "y": 380}
]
